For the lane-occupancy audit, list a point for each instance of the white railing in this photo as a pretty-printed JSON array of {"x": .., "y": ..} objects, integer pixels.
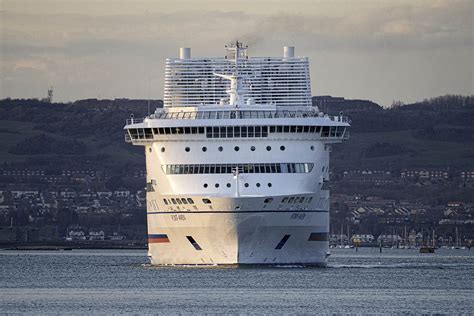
[{"x": 212, "y": 115}]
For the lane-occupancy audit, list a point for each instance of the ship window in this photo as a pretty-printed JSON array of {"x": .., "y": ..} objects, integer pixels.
[
  {"x": 166, "y": 202},
  {"x": 190, "y": 201},
  {"x": 252, "y": 148},
  {"x": 215, "y": 131},
  {"x": 220, "y": 148},
  {"x": 223, "y": 133},
  {"x": 279, "y": 129},
  {"x": 184, "y": 201},
  {"x": 194, "y": 130},
  {"x": 205, "y": 185},
  {"x": 272, "y": 129},
  {"x": 243, "y": 131},
  {"x": 163, "y": 149},
  {"x": 217, "y": 185},
  {"x": 258, "y": 131},
  {"x": 178, "y": 201},
  {"x": 269, "y": 185},
  {"x": 269, "y": 148},
  {"x": 318, "y": 129},
  {"x": 258, "y": 185},
  {"x": 312, "y": 148},
  {"x": 150, "y": 150},
  {"x": 208, "y": 132},
  {"x": 250, "y": 131},
  {"x": 284, "y": 200},
  {"x": 201, "y": 130},
  {"x": 305, "y": 129},
  {"x": 246, "y": 185},
  {"x": 310, "y": 199},
  {"x": 286, "y": 129},
  {"x": 292, "y": 129},
  {"x": 291, "y": 199},
  {"x": 236, "y": 148},
  {"x": 312, "y": 129},
  {"x": 228, "y": 185},
  {"x": 302, "y": 199},
  {"x": 237, "y": 131},
  {"x": 173, "y": 200},
  {"x": 264, "y": 131},
  {"x": 230, "y": 132},
  {"x": 282, "y": 148},
  {"x": 325, "y": 131},
  {"x": 187, "y": 149},
  {"x": 187, "y": 130},
  {"x": 206, "y": 201},
  {"x": 268, "y": 200},
  {"x": 204, "y": 149}
]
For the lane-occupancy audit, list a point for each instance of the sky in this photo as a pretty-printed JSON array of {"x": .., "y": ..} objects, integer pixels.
[{"x": 377, "y": 50}]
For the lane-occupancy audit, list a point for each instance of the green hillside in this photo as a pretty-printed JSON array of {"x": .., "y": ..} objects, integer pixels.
[{"x": 88, "y": 134}]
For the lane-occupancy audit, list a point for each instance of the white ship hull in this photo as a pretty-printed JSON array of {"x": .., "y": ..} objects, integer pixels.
[{"x": 229, "y": 238}]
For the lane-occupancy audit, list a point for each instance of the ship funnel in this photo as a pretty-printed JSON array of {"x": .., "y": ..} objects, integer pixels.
[
  {"x": 289, "y": 51},
  {"x": 184, "y": 53}
]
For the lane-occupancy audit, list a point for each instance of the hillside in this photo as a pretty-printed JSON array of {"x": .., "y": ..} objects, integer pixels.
[{"x": 88, "y": 134}]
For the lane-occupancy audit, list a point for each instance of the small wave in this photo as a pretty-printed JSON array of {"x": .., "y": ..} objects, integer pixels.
[{"x": 408, "y": 265}]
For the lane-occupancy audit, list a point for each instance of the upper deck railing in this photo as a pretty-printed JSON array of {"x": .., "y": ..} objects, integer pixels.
[{"x": 236, "y": 114}]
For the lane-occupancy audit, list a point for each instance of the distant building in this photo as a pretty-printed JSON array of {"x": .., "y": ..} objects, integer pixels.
[
  {"x": 389, "y": 239},
  {"x": 467, "y": 175},
  {"x": 363, "y": 238},
  {"x": 76, "y": 235},
  {"x": 96, "y": 235},
  {"x": 426, "y": 174}
]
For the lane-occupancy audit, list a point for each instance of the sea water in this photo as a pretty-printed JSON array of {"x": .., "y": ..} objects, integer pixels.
[{"x": 122, "y": 281}]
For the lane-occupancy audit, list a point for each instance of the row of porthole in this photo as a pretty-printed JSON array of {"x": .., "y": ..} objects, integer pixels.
[
  {"x": 205, "y": 185},
  {"x": 236, "y": 148}
]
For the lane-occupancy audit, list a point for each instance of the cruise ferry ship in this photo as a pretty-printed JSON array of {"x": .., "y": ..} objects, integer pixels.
[{"x": 237, "y": 162}]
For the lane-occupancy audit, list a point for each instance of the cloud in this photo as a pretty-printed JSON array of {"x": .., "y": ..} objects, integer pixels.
[{"x": 79, "y": 48}]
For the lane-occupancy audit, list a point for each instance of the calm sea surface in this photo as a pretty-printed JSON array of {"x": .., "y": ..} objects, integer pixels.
[{"x": 105, "y": 282}]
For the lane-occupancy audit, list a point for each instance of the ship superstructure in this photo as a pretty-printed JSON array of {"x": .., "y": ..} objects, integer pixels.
[{"x": 237, "y": 162}]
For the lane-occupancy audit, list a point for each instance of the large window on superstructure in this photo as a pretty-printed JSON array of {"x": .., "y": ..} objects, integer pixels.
[
  {"x": 256, "y": 131},
  {"x": 243, "y": 168}
]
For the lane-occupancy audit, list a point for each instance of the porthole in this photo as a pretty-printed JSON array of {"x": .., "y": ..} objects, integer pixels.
[
  {"x": 269, "y": 185},
  {"x": 205, "y": 185},
  {"x": 282, "y": 148},
  {"x": 246, "y": 185},
  {"x": 220, "y": 148},
  {"x": 236, "y": 148},
  {"x": 312, "y": 148},
  {"x": 150, "y": 150},
  {"x": 162, "y": 149},
  {"x": 322, "y": 169},
  {"x": 228, "y": 185},
  {"x": 187, "y": 149},
  {"x": 252, "y": 148},
  {"x": 258, "y": 185},
  {"x": 269, "y": 148},
  {"x": 204, "y": 149},
  {"x": 217, "y": 185}
]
